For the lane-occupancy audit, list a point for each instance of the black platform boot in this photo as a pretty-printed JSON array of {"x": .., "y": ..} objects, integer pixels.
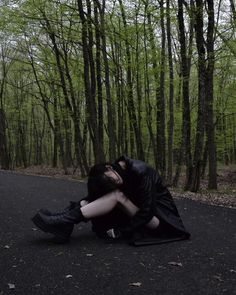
[{"x": 61, "y": 225}]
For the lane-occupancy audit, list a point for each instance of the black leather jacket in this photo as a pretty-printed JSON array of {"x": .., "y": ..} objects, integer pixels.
[{"x": 144, "y": 187}]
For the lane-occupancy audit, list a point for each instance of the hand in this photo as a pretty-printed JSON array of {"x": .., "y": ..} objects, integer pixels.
[{"x": 114, "y": 233}]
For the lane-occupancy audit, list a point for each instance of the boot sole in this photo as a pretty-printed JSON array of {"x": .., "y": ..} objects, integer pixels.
[{"x": 38, "y": 221}]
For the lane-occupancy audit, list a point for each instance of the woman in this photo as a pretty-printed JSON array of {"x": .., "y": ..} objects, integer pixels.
[{"x": 124, "y": 199}]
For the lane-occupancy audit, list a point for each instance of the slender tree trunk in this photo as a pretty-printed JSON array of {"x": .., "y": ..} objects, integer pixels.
[
  {"x": 186, "y": 121},
  {"x": 130, "y": 104},
  {"x": 210, "y": 127},
  {"x": 99, "y": 81},
  {"x": 171, "y": 97},
  {"x": 120, "y": 99},
  {"x": 138, "y": 65},
  {"x": 55, "y": 133},
  {"x": 117, "y": 54},
  {"x": 197, "y": 161},
  {"x": 224, "y": 131},
  {"x": 89, "y": 77},
  {"x": 21, "y": 134},
  {"x": 97, "y": 148},
  {"x": 68, "y": 138},
  {"x": 156, "y": 81},
  {"x": 161, "y": 142},
  {"x": 204, "y": 160},
  {"x": 4, "y": 157},
  {"x": 110, "y": 108}
]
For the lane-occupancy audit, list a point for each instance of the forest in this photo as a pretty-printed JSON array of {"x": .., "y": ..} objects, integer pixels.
[{"x": 82, "y": 82}]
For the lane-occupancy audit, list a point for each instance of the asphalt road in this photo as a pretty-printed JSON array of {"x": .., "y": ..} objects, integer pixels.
[{"x": 31, "y": 264}]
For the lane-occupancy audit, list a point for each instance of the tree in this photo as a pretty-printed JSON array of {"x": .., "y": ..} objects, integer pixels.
[
  {"x": 130, "y": 103},
  {"x": 171, "y": 95},
  {"x": 4, "y": 157},
  {"x": 210, "y": 132},
  {"x": 185, "y": 74},
  {"x": 110, "y": 108},
  {"x": 160, "y": 107},
  {"x": 197, "y": 159},
  {"x": 5, "y": 67}
]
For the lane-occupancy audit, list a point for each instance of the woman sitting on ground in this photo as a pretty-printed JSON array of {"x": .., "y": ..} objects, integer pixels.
[{"x": 124, "y": 198}]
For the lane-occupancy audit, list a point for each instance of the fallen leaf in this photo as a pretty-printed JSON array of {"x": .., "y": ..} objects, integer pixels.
[
  {"x": 137, "y": 284},
  {"x": 233, "y": 270},
  {"x": 34, "y": 229},
  {"x": 89, "y": 254},
  {"x": 68, "y": 276},
  {"x": 218, "y": 278},
  {"x": 175, "y": 263},
  {"x": 6, "y": 247},
  {"x": 11, "y": 286},
  {"x": 37, "y": 285}
]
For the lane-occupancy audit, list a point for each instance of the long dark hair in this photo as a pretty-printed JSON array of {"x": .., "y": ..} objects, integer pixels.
[{"x": 98, "y": 183}]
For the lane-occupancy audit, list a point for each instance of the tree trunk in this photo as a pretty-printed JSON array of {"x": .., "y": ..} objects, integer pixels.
[
  {"x": 224, "y": 131},
  {"x": 97, "y": 148},
  {"x": 138, "y": 69},
  {"x": 89, "y": 77},
  {"x": 99, "y": 81},
  {"x": 210, "y": 127},
  {"x": 186, "y": 121},
  {"x": 156, "y": 81},
  {"x": 171, "y": 97},
  {"x": 110, "y": 108},
  {"x": 161, "y": 142},
  {"x": 4, "y": 157},
  {"x": 130, "y": 103},
  {"x": 197, "y": 161},
  {"x": 204, "y": 160}
]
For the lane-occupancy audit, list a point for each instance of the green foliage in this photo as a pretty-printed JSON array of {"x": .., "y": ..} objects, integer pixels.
[{"x": 36, "y": 100}]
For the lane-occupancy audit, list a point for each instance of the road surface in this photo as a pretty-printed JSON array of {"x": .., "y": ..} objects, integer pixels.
[{"x": 31, "y": 264}]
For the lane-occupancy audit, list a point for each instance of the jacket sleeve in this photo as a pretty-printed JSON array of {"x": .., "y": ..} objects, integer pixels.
[{"x": 144, "y": 200}]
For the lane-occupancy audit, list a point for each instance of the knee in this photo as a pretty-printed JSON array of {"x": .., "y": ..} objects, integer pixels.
[
  {"x": 153, "y": 223},
  {"x": 83, "y": 203}
]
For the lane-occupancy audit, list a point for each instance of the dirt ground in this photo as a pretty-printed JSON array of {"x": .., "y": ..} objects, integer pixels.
[{"x": 225, "y": 195}]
